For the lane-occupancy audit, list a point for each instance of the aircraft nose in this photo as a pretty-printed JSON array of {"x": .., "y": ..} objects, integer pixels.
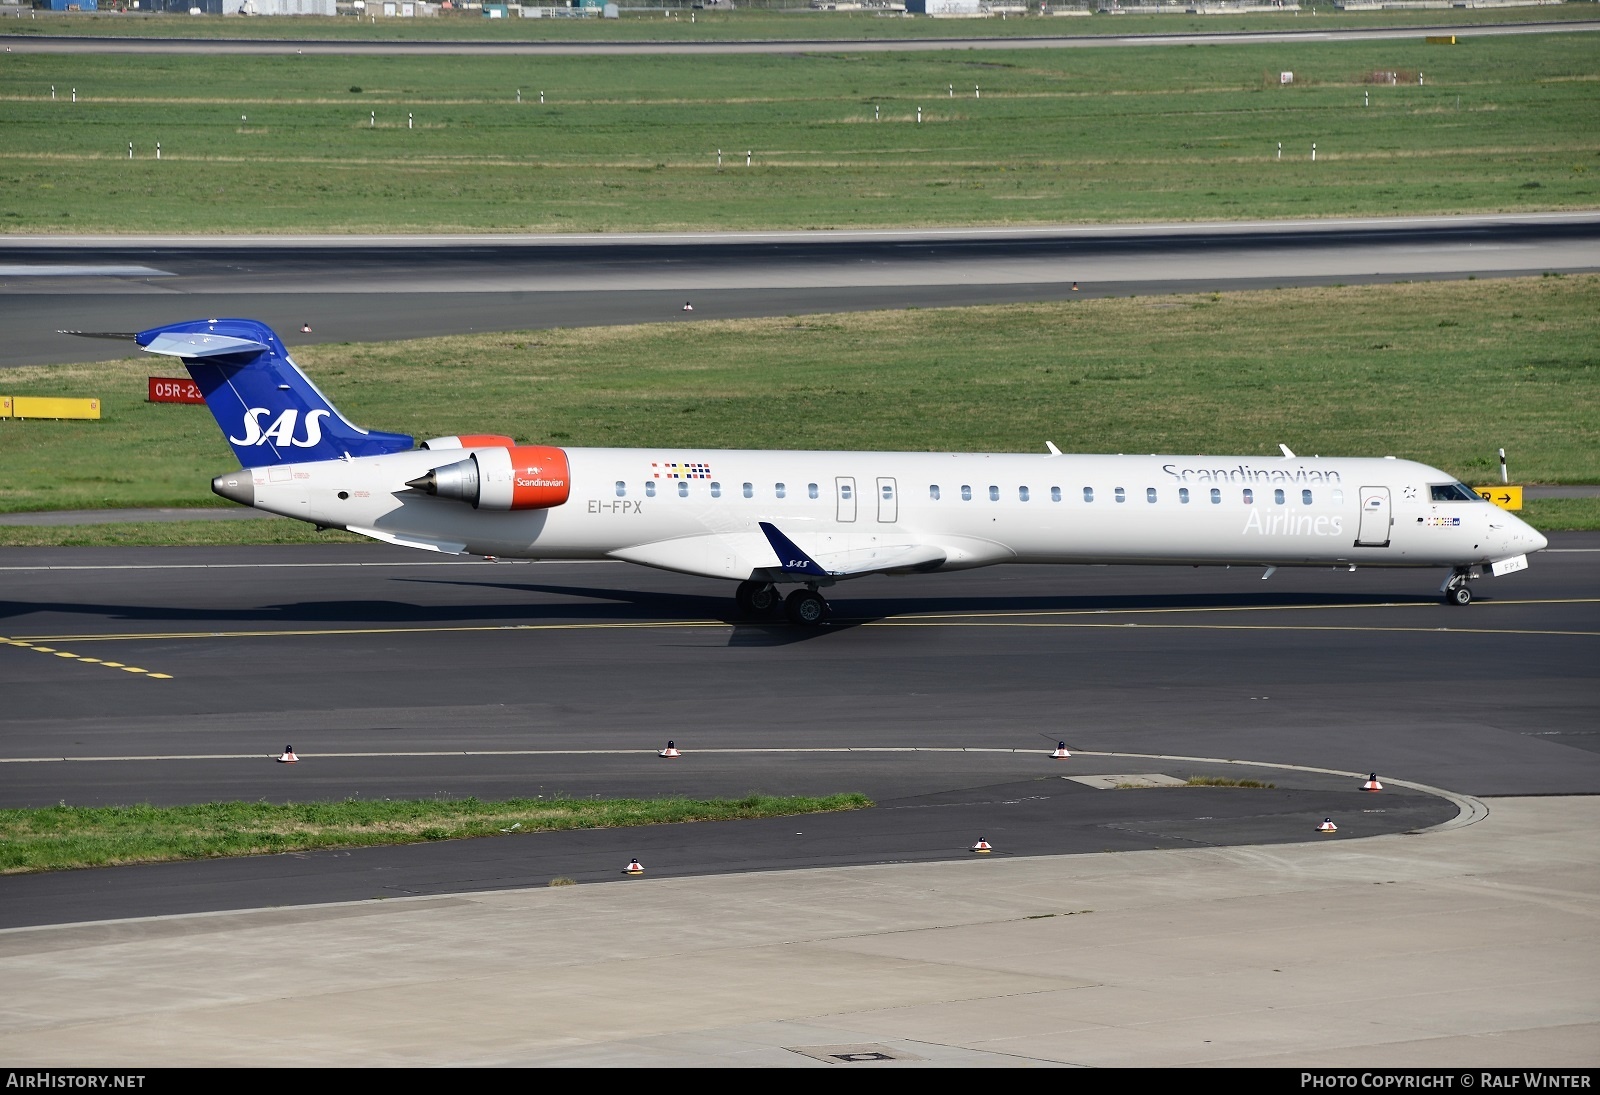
[{"x": 1540, "y": 540}]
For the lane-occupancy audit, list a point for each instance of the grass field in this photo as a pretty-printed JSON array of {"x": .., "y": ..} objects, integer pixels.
[
  {"x": 1443, "y": 372},
  {"x": 57, "y": 837},
  {"x": 269, "y": 144},
  {"x": 752, "y": 24}
]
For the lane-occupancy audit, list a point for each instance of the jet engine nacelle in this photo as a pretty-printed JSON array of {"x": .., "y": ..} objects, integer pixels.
[
  {"x": 507, "y": 478},
  {"x": 470, "y": 441}
]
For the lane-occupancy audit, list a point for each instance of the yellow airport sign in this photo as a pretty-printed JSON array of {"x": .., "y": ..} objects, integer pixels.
[
  {"x": 1502, "y": 495},
  {"x": 5, "y": 406},
  {"x": 36, "y": 406},
  {"x": 1441, "y": 39}
]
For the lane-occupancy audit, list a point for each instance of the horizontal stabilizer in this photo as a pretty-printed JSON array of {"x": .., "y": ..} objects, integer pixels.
[
  {"x": 120, "y": 336},
  {"x": 202, "y": 344},
  {"x": 402, "y": 540}
]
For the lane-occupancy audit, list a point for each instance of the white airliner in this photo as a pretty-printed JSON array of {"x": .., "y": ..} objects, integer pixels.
[{"x": 765, "y": 519}]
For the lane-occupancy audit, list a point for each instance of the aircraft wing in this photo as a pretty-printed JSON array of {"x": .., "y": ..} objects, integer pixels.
[
  {"x": 743, "y": 555},
  {"x": 851, "y": 562}
]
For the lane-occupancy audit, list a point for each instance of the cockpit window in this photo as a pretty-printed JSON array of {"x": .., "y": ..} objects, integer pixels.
[{"x": 1453, "y": 492}]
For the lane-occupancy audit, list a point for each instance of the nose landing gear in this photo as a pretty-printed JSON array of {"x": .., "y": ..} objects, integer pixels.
[{"x": 1455, "y": 588}]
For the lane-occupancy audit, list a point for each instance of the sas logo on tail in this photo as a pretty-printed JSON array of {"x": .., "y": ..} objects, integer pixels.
[{"x": 281, "y": 432}]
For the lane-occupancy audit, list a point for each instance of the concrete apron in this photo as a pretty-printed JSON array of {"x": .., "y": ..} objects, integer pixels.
[{"x": 1472, "y": 945}]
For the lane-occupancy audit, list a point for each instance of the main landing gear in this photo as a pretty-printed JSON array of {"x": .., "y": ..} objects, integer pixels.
[
  {"x": 804, "y": 606},
  {"x": 1455, "y": 589}
]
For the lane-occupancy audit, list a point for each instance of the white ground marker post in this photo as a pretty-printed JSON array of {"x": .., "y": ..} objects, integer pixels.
[
  {"x": 541, "y": 98},
  {"x": 373, "y": 115},
  {"x": 519, "y": 95},
  {"x": 747, "y": 157},
  {"x": 410, "y": 124},
  {"x": 952, "y": 91},
  {"x": 919, "y": 115},
  {"x": 1313, "y": 151},
  {"x": 719, "y": 159},
  {"x": 1505, "y": 476},
  {"x": 130, "y": 150},
  {"x": 1366, "y": 98},
  {"x": 976, "y": 93},
  {"x": 74, "y": 94},
  {"x": 52, "y": 93},
  {"x": 874, "y": 111},
  {"x": 1280, "y": 150},
  {"x": 158, "y": 150}
]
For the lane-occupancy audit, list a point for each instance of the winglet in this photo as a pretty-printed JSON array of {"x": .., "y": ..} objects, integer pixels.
[{"x": 791, "y": 560}]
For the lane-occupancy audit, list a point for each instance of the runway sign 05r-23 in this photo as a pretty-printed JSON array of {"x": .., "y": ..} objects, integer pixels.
[{"x": 171, "y": 389}]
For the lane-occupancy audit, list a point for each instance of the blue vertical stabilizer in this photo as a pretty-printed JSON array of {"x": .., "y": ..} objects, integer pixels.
[{"x": 269, "y": 411}]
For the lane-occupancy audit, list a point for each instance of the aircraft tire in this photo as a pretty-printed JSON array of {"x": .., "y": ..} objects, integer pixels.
[
  {"x": 805, "y": 607},
  {"x": 756, "y": 598},
  {"x": 1458, "y": 595}
]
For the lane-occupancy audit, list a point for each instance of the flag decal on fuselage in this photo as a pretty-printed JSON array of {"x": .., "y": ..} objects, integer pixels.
[{"x": 676, "y": 470}]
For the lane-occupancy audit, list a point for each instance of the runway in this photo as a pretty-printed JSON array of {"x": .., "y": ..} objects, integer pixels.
[
  {"x": 368, "y": 288},
  {"x": 396, "y": 675},
  {"x": 88, "y": 44}
]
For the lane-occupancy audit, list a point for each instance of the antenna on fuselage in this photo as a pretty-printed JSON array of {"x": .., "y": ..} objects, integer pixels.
[
  {"x": 1287, "y": 455},
  {"x": 1051, "y": 445}
]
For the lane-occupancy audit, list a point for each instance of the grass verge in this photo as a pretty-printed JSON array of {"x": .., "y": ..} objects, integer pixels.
[
  {"x": 59, "y": 837},
  {"x": 341, "y": 144}
]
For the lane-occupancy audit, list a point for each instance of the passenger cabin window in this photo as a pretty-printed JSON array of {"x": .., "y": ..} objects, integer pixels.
[
  {"x": 716, "y": 490},
  {"x": 1305, "y": 498},
  {"x": 1249, "y": 496},
  {"x": 1183, "y": 495},
  {"x": 749, "y": 490},
  {"x": 1120, "y": 495},
  {"x": 683, "y": 489},
  {"x": 994, "y": 494},
  {"x": 622, "y": 489},
  {"x": 1088, "y": 494},
  {"x": 1022, "y": 494},
  {"x": 1453, "y": 492},
  {"x": 780, "y": 490},
  {"x": 1216, "y": 496},
  {"x": 811, "y": 490},
  {"x": 1277, "y": 496},
  {"x": 650, "y": 489},
  {"x": 966, "y": 492},
  {"x": 845, "y": 491},
  {"x": 887, "y": 490},
  {"x": 933, "y": 491},
  {"x": 1149, "y": 494},
  {"x": 1055, "y": 494},
  {"x": 1338, "y": 497}
]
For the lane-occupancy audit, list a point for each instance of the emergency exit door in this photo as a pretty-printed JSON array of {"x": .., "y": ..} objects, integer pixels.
[
  {"x": 888, "y": 504},
  {"x": 846, "y": 488},
  {"x": 1375, "y": 518}
]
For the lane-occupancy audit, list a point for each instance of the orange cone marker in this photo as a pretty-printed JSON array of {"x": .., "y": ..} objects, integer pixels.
[
  {"x": 1372, "y": 783},
  {"x": 1061, "y": 751},
  {"x": 670, "y": 752},
  {"x": 288, "y": 755},
  {"x": 1327, "y": 826},
  {"x": 633, "y": 867},
  {"x": 982, "y": 847}
]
